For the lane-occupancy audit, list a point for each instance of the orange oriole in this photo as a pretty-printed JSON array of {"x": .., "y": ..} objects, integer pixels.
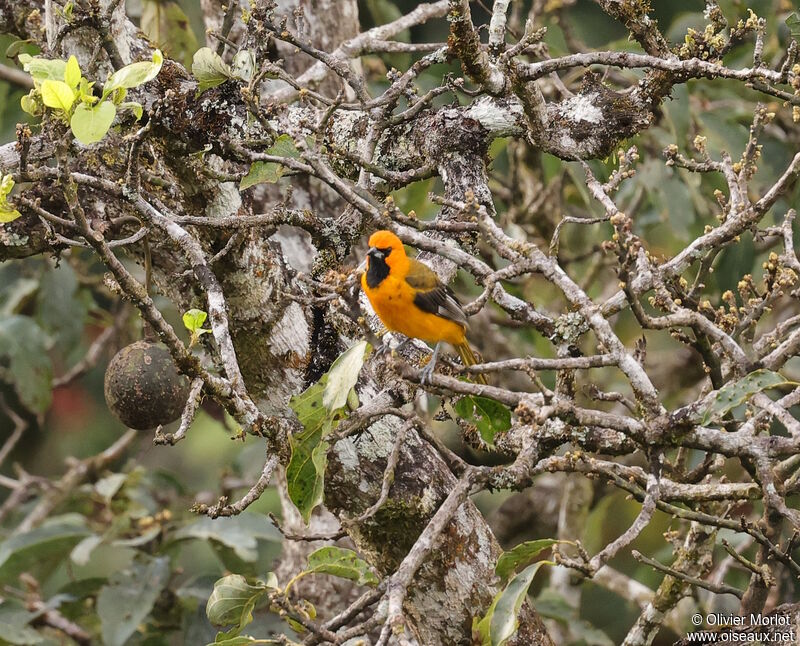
[{"x": 409, "y": 298}]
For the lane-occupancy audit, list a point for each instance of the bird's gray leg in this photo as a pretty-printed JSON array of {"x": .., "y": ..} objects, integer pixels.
[{"x": 427, "y": 371}]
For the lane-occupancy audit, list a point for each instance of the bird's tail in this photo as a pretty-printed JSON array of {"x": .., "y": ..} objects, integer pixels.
[{"x": 468, "y": 358}]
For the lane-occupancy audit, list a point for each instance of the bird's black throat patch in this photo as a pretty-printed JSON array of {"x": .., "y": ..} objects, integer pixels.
[{"x": 378, "y": 270}]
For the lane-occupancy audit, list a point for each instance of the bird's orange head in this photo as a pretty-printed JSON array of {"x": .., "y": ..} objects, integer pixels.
[{"x": 386, "y": 253}]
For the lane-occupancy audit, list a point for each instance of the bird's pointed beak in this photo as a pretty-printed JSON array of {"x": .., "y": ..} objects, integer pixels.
[{"x": 362, "y": 267}]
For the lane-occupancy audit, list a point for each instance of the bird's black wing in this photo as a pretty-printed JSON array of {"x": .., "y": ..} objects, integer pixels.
[{"x": 432, "y": 295}]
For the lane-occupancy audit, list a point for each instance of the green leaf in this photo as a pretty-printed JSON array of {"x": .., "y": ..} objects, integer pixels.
[
  {"x": 340, "y": 562},
  {"x": 17, "y": 290},
  {"x": 521, "y": 554},
  {"x": 40, "y": 550},
  {"x": 284, "y": 147},
  {"x": 590, "y": 635},
  {"x": 263, "y": 172},
  {"x": 57, "y": 94},
  {"x": 72, "y": 73},
  {"x": 134, "y": 107},
  {"x": 238, "y": 640},
  {"x": 42, "y": 69},
  {"x": 491, "y": 417},
  {"x": 129, "y": 597},
  {"x": 209, "y": 69},
  {"x": 305, "y": 474},
  {"x": 24, "y": 362},
  {"x": 552, "y": 605},
  {"x": 61, "y": 307},
  {"x": 167, "y": 26},
  {"x": 135, "y": 74},
  {"x": 193, "y": 320},
  {"x": 233, "y": 600},
  {"x": 140, "y": 539},
  {"x": 6, "y": 186},
  {"x": 793, "y": 23},
  {"x": 31, "y": 103},
  {"x": 308, "y": 406},
  {"x": 7, "y": 212},
  {"x": 14, "y": 628},
  {"x": 81, "y": 553},
  {"x": 109, "y": 486},
  {"x": 16, "y": 48},
  {"x": 734, "y": 394},
  {"x": 240, "y": 533},
  {"x": 502, "y": 619},
  {"x": 90, "y": 124},
  {"x": 343, "y": 375}
]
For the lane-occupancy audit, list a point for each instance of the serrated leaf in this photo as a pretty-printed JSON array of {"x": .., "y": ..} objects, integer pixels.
[
  {"x": 793, "y": 23},
  {"x": 90, "y": 124},
  {"x": 209, "y": 69},
  {"x": 501, "y": 621},
  {"x": 129, "y": 597},
  {"x": 340, "y": 562},
  {"x": 167, "y": 26},
  {"x": 233, "y": 600},
  {"x": 57, "y": 94},
  {"x": 489, "y": 416},
  {"x": 343, "y": 375},
  {"x": 734, "y": 394},
  {"x": 24, "y": 362},
  {"x": 42, "y": 69},
  {"x": 135, "y": 74},
  {"x": 521, "y": 554},
  {"x": 72, "y": 73}
]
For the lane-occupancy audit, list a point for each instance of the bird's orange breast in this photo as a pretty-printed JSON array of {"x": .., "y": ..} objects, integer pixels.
[{"x": 393, "y": 302}]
